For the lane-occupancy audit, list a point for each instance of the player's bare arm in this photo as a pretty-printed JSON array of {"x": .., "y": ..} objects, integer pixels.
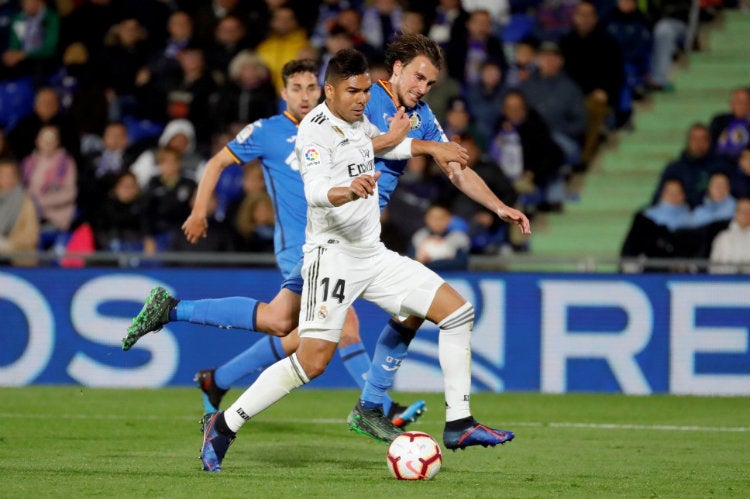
[
  {"x": 361, "y": 187},
  {"x": 398, "y": 129},
  {"x": 196, "y": 225},
  {"x": 442, "y": 152},
  {"x": 471, "y": 184}
]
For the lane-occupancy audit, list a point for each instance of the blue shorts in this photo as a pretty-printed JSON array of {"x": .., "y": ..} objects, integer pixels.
[{"x": 290, "y": 263}]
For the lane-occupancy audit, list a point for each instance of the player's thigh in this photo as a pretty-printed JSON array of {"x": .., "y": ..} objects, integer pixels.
[
  {"x": 332, "y": 281},
  {"x": 403, "y": 287},
  {"x": 447, "y": 300}
]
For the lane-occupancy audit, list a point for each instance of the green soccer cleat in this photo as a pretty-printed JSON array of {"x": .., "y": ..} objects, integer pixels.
[
  {"x": 372, "y": 423},
  {"x": 151, "y": 318}
]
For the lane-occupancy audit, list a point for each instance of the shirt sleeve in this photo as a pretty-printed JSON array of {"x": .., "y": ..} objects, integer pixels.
[
  {"x": 247, "y": 144},
  {"x": 314, "y": 157},
  {"x": 433, "y": 130}
]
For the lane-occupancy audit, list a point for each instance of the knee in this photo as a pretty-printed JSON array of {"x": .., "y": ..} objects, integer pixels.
[
  {"x": 349, "y": 337},
  {"x": 279, "y": 324},
  {"x": 282, "y": 328},
  {"x": 314, "y": 367}
]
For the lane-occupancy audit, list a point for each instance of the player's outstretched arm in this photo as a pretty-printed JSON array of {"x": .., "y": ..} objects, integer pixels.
[
  {"x": 471, "y": 184},
  {"x": 196, "y": 226},
  {"x": 442, "y": 152}
]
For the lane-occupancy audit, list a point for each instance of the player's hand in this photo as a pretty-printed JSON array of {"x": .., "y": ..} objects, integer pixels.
[
  {"x": 514, "y": 216},
  {"x": 399, "y": 125},
  {"x": 446, "y": 152},
  {"x": 363, "y": 186},
  {"x": 195, "y": 228}
]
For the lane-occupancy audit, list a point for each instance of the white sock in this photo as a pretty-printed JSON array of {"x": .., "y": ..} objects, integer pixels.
[
  {"x": 272, "y": 385},
  {"x": 454, "y": 351}
]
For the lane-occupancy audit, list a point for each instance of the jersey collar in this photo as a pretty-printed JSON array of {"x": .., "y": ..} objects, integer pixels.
[
  {"x": 386, "y": 85},
  {"x": 290, "y": 117}
]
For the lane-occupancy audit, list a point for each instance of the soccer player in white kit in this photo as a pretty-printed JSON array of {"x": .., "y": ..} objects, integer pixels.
[{"x": 345, "y": 259}]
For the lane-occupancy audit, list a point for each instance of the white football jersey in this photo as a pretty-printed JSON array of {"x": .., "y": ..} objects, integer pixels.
[{"x": 332, "y": 153}]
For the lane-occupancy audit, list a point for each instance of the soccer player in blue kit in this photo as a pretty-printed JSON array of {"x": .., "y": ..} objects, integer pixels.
[{"x": 415, "y": 61}]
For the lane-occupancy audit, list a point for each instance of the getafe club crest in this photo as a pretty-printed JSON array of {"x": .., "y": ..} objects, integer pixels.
[{"x": 415, "y": 121}]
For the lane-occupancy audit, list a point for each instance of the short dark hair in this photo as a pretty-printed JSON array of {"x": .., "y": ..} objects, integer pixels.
[
  {"x": 298, "y": 66},
  {"x": 345, "y": 64},
  {"x": 406, "y": 47}
]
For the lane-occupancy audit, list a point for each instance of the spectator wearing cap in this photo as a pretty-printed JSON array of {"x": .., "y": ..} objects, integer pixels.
[
  {"x": 593, "y": 60},
  {"x": 558, "y": 100}
]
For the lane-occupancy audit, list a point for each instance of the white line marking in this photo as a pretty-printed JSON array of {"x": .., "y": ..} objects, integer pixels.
[{"x": 334, "y": 421}]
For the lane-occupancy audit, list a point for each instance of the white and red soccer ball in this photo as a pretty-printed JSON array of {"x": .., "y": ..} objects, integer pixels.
[{"x": 414, "y": 455}]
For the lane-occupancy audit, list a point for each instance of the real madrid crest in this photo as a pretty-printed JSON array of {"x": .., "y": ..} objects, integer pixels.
[{"x": 322, "y": 312}]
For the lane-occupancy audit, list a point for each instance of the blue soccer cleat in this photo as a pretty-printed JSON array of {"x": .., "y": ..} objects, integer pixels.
[
  {"x": 476, "y": 434},
  {"x": 403, "y": 416},
  {"x": 215, "y": 444}
]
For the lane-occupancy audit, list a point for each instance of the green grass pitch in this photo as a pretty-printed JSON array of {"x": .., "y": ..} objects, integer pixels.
[{"x": 81, "y": 442}]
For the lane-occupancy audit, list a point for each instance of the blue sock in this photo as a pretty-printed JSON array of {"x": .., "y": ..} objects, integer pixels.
[
  {"x": 390, "y": 350},
  {"x": 234, "y": 312},
  {"x": 263, "y": 353},
  {"x": 357, "y": 363}
]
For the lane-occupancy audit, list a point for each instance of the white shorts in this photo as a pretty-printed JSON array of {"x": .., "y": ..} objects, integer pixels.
[{"x": 334, "y": 278}]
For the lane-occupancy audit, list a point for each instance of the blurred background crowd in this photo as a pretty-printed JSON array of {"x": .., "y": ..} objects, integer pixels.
[{"x": 110, "y": 108}]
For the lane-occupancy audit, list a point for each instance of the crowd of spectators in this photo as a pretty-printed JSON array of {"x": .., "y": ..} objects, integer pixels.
[
  {"x": 701, "y": 205},
  {"x": 110, "y": 108}
]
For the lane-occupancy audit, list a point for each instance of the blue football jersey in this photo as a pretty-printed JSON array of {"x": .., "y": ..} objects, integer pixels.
[
  {"x": 424, "y": 126},
  {"x": 272, "y": 140}
]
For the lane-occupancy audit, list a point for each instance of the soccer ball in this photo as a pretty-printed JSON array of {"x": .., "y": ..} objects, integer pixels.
[{"x": 414, "y": 455}]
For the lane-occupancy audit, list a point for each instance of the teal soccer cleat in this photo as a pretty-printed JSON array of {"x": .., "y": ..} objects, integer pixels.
[{"x": 402, "y": 416}]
